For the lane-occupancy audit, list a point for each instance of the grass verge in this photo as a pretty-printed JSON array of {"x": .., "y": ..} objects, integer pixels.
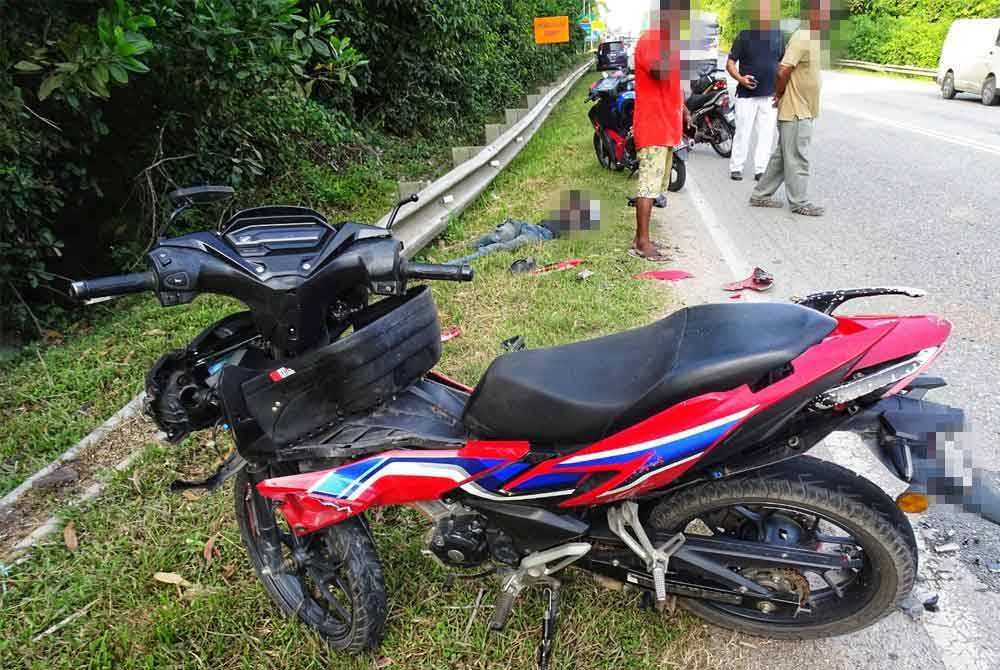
[{"x": 137, "y": 529}]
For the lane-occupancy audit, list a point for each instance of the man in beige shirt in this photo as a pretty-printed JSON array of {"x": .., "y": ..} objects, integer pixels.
[{"x": 797, "y": 98}]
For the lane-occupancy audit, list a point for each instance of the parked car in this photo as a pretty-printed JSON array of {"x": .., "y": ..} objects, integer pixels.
[
  {"x": 612, "y": 56},
  {"x": 970, "y": 60}
]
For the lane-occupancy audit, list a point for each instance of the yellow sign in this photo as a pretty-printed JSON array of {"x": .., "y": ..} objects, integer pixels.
[
  {"x": 598, "y": 25},
  {"x": 551, "y": 29}
]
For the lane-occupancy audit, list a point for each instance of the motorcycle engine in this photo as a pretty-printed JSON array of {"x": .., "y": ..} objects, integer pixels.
[{"x": 460, "y": 539}]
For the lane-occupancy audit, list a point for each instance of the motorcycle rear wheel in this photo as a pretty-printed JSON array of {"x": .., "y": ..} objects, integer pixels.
[
  {"x": 808, "y": 488},
  {"x": 601, "y": 149},
  {"x": 725, "y": 132},
  {"x": 330, "y": 580}
]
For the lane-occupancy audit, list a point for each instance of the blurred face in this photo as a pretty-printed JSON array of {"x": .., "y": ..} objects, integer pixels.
[
  {"x": 819, "y": 15},
  {"x": 767, "y": 13}
]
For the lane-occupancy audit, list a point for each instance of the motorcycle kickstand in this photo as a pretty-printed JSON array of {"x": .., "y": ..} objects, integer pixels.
[{"x": 544, "y": 650}]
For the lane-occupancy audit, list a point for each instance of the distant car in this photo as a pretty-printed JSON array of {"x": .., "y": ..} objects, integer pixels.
[
  {"x": 612, "y": 56},
  {"x": 970, "y": 60}
]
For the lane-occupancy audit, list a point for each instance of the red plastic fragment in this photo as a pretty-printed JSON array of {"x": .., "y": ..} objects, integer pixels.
[
  {"x": 450, "y": 333},
  {"x": 759, "y": 280},
  {"x": 665, "y": 275},
  {"x": 556, "y": 267},
  {"x": 736, "y": 296}
]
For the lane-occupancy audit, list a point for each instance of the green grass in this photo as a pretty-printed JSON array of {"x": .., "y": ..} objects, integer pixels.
[{"x": 137, "y": 529}]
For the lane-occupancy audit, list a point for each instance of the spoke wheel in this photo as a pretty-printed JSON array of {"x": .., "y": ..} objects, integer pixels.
[
  {"x": 809, "y": 504},
  {"x": 722, "y": 141},
  {"x": 330, "y": 580}
]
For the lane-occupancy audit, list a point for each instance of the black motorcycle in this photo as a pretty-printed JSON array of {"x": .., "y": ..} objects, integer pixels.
[
  {"x": 713, "y": 119},
  {"x": 614, "y": 143}
]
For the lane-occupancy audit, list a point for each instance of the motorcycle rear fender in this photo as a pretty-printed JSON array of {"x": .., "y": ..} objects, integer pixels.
[{"x": 911, "y": 434}]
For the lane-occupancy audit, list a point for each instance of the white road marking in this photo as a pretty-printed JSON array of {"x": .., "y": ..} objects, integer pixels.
[{"x": 926, "y": 132}]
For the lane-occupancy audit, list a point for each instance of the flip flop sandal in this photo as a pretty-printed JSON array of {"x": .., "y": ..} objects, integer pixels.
[{"x": 654, "y": 258}]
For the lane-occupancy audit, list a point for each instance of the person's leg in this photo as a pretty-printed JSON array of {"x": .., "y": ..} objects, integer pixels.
[
  {"x": 797, "y": 164},
  {"x": 775, "y": 171},
  {"x": 745, "y": 111},
  {"x": 766, "y": 123},
  {"x": 654, "y": 164}
]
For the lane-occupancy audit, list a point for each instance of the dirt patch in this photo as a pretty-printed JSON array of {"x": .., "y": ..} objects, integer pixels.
[{"x": 68, "y": 482}]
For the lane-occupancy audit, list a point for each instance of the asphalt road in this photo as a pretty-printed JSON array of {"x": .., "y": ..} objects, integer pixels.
[{"x": 911, "y": 185}]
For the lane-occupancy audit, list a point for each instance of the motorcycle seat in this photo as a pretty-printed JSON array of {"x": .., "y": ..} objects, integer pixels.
[
  {"x": 696, "y": 100},
  {"x": 584, "y": 391}
]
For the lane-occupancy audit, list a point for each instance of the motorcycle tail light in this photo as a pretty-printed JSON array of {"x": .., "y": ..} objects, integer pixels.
[{"x": 719, "y": 84}]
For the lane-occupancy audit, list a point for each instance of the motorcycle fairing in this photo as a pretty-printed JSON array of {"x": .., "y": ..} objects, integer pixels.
[{"x": 644, "y": 457}]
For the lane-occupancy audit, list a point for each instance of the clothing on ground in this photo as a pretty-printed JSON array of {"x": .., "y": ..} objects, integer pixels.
[
  {"x": 510, "y": 234},
  {"x": 758, "y": 53},
  {"x": 801, "y": 98},
  {"x": 753, "y": 115},
  {"x": 789, "y": 164},
  {"x": 654, "y": 169},
  {"x": 658, "y": 116}
]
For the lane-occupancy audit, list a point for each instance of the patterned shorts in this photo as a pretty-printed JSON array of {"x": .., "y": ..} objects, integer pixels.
[{"x": 654, "y": 166}]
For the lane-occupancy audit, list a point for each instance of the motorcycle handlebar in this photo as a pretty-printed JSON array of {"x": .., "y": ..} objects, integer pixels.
[
  {"x": 440, "y": 272},
  {"x": 116, "y": 285}
]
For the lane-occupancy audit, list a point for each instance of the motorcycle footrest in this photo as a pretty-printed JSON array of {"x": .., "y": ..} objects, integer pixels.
[{"x": 502, "y": 610}]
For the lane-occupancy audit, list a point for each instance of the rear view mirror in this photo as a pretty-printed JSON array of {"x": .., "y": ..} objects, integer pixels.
[{"x": 200, "y": 195}]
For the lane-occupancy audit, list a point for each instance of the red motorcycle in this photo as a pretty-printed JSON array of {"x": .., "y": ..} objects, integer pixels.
[{"x": 671, "y": 458}]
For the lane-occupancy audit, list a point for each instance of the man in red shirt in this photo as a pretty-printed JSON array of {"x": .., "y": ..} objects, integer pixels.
[{"x": 660, "y": 114}]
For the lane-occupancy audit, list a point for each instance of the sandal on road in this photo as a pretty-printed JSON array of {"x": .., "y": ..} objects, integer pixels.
[
  {"x": 766, "y": 202},
  {"x": 656, "y": 257},
  {"x": 809, "y": 210}
]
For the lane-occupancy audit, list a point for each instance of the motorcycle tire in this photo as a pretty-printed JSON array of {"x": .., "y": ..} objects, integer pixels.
[
  {"x": 724, "y": 145},
  {"x": 340, "y": 594},
  {"x": 601, "y": 150},
  {"x": 812, "y": 487},
  {"x": 678, "y": 175}
]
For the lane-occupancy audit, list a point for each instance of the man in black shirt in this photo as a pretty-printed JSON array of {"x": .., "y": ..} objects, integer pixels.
[{"x": 757, "y": 51}]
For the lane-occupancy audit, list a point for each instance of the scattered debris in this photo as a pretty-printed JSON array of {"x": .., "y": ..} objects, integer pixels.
[
  {"x": 931, "y": 604},
  {"x": 65, "y": 622},
  {"x": 450, "y": 333},
  {"x": 759, "y": 280},
  {"x": 558, "y": 267},
  {"x": 912, "y": 608},
  {"x": 947, "y": 548},
  {"x": 69, "y": 537},
  {"x": 585, "y": 274},
  {"x": 515, "y": 343},
  {"x": 665, "y": 275},
  {"x": 993, "y": 566},
  {"x": 736, "y": 296},
  {"x": 58, "y": 477},
  {"x": 523, "y": 265}
]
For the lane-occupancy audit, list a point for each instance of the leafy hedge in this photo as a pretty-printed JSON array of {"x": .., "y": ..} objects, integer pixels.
[{"x": 105, "y": 105}]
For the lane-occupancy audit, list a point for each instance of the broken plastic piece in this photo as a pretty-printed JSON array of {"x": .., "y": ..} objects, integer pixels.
[
  {"x": 585, "y": 274},
  {"x": 450, "y": 333},
  {"x": 556, "y": 267},
  {"x": 523, "y": 265},
  {"x": 665, "y": 275},
  {"x": 759, "y": 280},
  {"x": 515, "y": 343},
  {"x": 931, "y": 604}
]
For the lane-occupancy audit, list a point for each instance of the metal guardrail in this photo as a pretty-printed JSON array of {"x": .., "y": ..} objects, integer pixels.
[
  {"x": 446, "y": 197},
  {"x": 882, "y": 67}
]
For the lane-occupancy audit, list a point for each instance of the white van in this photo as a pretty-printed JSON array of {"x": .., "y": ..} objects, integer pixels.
[{"x": 970, "y": 60}]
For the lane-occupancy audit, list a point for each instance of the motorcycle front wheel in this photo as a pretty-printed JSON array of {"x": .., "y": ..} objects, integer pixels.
[
  {"x": 723, "y": 142},
  {"x": 330, "y": 580},
  {"x": 809, "y": 504},
  {"x": 678, "y": 175}
]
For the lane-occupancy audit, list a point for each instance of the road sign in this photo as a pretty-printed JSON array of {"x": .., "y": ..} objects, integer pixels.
[
  {"x": 551, "y": 29},
  {"x": 586, "y": 25}
]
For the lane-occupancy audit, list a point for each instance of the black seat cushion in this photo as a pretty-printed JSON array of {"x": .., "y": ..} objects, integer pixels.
[
  {"x": 587, "y": 390},
  {"x": 696, "y": 100}
]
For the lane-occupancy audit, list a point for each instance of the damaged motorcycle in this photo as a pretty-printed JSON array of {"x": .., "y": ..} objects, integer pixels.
[{"x": 671, "y": 458}]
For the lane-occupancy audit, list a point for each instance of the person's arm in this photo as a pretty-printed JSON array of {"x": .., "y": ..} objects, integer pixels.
[
  {"x": 781, "y": 81},
  {"x": 734, "y": 56}
]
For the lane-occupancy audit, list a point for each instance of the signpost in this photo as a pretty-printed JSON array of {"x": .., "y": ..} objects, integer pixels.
[{"x": 551, "y": 29}]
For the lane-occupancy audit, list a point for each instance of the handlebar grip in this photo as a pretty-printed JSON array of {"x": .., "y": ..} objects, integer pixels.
[
  {"x": 115, "y": 285},
  {"x": 441, "y": 272}
]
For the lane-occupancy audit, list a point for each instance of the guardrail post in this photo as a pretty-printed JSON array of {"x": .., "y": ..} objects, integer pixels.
[
  {"x": 408, "y": 188},
  {"x": 514, "y": 115},
  {"x": 461, "y": 154},
  {"x": 493, "y": 131}
]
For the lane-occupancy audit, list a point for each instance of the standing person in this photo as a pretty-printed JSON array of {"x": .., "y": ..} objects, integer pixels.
[
  {"x": 660, "y": 115},
  {"x": 757, "y": 51},
  {"x": 796, "y": 96}
]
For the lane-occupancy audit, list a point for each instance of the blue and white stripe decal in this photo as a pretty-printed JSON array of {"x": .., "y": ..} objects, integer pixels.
[{"x": 669, "y": 448}]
